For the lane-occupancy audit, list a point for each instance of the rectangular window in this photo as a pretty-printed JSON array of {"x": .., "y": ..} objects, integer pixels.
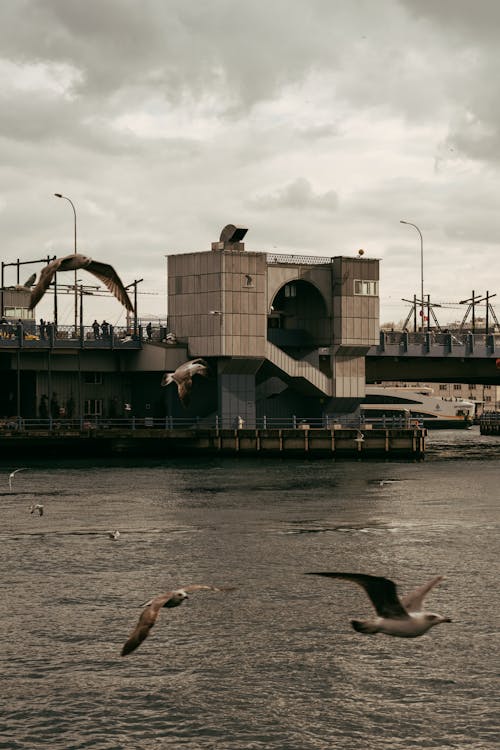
[
  {"x": 178, "y": 284},
  {"x": 457, "y": 386},
  {"x": 443, "y": 387},
  {"x": 487, "y": 387},
  {"x": 92, "y": 377},
  {"x": 290, "y": 290},
  {"x": 472, "y": 387},
  {"x": 487, "y": 398},
  {"x": 369, "y": 288},
  {"x": 93, "y": 407}
]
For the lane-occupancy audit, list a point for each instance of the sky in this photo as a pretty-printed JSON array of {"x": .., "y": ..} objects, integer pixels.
[{"x": 317, "y": 124}]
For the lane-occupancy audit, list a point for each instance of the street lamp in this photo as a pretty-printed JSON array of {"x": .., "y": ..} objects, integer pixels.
[
  {"x": 59, "y": 195},
  {"x": 421, "y": 269}
]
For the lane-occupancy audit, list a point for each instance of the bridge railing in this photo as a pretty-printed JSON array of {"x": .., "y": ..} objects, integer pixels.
[{"x": 464, "y": 342}]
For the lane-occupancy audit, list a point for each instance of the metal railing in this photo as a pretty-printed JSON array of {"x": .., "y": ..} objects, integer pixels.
[
  {"x": 34, "y": 336},
  {"x": 305, "y": 260},
  {"x": 464, "y": 342},
  {"x": 88, "y": 424}
]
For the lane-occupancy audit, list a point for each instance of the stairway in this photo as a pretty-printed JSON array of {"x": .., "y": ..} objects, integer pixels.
[{"x": 298, "y": 370}]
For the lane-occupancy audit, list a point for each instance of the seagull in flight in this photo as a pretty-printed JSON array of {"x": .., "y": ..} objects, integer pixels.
[
  {"x": 404, "y": 618},
  {"x": 152, "y": 610},
  {"x": 38, "y": 508},
  {"x": 183, "y": 377},
  {"x": 103, "y": 271},
  {"x": 12, "y": 475}
]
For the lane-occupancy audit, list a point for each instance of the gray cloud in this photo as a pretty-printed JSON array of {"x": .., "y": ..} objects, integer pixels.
[
  {"x": 165, "y": 120},
  {"x": 298, "y": 195}
]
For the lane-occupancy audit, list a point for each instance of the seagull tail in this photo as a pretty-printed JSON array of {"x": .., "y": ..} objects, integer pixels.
[
  {"x": 167, "y": 378},
  {"x": 364, "y": 627}
]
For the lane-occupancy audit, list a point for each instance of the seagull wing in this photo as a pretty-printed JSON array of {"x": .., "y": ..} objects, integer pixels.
[
  {"x": 148, "y": 617},
  {"x": 30, "y": 281},
  {"x": 414, "y": 600},
  {"x": 184, "y": 389},
  {"x": 202, "y": 587},
  {"x": 46, "y": 276},
  {"x": 107, "y": 274},
  {"x": 382, "y": 592}
]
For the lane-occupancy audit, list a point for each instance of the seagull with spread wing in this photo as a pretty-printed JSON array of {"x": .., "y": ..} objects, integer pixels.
[
  {"x": 103, "y": 271},
  {"x": 152, "y": 610},
  {"x": 404, "y": 618},
  {"x": 183, "y": 378},
  {"x": 12, "y": 475}
]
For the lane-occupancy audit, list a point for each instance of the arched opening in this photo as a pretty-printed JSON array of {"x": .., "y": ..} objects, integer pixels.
[{"x": 299, "y": 317}]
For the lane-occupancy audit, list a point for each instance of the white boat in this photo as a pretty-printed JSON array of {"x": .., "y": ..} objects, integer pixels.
[{"x": 419, "y": 403}]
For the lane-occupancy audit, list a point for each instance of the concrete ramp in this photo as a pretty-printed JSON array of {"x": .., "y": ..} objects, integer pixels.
[{"x": 298, "y": 370}]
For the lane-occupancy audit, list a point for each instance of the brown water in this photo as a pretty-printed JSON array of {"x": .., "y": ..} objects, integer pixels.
[{"x": 275, "y": 664}]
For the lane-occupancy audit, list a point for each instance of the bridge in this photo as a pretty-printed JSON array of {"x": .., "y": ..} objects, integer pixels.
[{"x": 452, "y": 357}]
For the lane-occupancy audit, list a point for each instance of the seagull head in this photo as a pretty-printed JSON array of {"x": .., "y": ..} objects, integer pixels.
[{"x": 176, "y": 598}]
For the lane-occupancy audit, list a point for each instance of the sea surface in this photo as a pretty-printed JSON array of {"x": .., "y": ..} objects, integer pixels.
[{"x": 274, "y": 664}]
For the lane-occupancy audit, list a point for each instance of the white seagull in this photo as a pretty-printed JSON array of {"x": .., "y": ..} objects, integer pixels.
[
  {"x": 38, "y": 508},
  {"x": 183, "y": 377},
  {"x": 152, "y": 610},
  {"x": 12, "y": 475},
  {"x": 103, "y": 271},
  {"x": 114, "y": 535},
  {"x": 403, "y": 617}
]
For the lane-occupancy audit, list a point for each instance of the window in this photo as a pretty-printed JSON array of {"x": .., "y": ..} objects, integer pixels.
[
  {"x": 472, "y": 387},
  {"x": 178, "y": 284},
  {"x": 487, "y": 387},
  {"x": 290, "y": 290},
  {"x": 369, "y": 288},
  {"x": 93, "y": 407},
  {"x": 487, "y": 398},
  {"x": 92, "y": 377},
  {"x": 443, "y": 387},
  {"x": 457, "y": 386}
]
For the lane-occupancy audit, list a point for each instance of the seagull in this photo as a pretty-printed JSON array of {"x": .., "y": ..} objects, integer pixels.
[
  {"x": 183, "y": 376},
  {"x": 152, "y": 610},
  {"x": 103, "y": 271},
  {"x": 11, "y": 476},
  {"x": 114, "y": 535},
  {"x": 403, "y": 617},
  {"x": 359, "y": 437},
  {"x": 38, "y": 507},
  {"x": 26, "y": 287}
]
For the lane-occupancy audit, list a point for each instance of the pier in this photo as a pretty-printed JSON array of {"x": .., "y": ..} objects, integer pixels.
[{"x": 304, "y": 442}]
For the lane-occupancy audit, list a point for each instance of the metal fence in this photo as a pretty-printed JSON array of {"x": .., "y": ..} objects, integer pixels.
[
  {"x": 35, "y": 336},
  {"x": 86, "y": 424}
]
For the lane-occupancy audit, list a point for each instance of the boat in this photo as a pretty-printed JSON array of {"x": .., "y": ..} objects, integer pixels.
[{"x": 417, "y": 403}]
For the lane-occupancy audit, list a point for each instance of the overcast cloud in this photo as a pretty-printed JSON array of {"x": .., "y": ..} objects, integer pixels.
[{"x": 319, "y": 124}]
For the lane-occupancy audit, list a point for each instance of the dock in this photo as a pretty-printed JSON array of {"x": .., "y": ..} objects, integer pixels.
[
  {"x": 489, "y": 423},
  {"x": 332, "y": 442}
]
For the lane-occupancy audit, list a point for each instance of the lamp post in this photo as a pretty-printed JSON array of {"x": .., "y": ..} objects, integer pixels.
[
  {"x": 59, "y": 195},
  {"x": 421, "y": 269}
]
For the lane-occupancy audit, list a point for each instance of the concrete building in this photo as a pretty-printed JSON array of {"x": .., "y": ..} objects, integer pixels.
[{"x": 287, "y": 335}]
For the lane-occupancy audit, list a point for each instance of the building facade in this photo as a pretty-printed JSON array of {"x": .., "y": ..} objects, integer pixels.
[{"x": 287, "y": 335}]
